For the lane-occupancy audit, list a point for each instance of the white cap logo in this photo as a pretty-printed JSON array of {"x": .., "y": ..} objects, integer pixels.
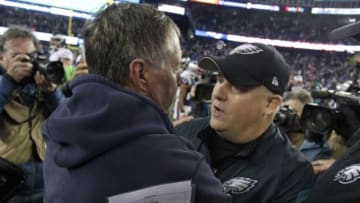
[
  {"x": 275, "y": 81},
  {"x": 246, "y": 49}
]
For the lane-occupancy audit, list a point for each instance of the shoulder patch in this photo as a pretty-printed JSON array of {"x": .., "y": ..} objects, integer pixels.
[
  {"x": 239, "y": 185},
  {"x": 348, "y": 175}
]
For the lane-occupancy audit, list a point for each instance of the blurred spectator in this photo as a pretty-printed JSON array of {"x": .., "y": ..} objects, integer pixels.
[
  {"x": 318, "y": 69},
  {"x": 66, "y": 57},
  {"x": 296, "y": 99},
  {"x": 337, "y": 148},
  {"x": 266, "y": 24},
  {"x": 40, "y": 21}
]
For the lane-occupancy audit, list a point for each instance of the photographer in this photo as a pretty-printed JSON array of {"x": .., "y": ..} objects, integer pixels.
[
  {"x": 194, "y": 79},
  {"x": 290, "y": 122},
  {"x": 321, "y": 155},
  {"x": 26, "y": 99},
  {"x": 296, "y": 100},
  {"x": 188, "y": 78},
  {"x": 248, "y": 153},
  {"x": 341, "y": 182}
]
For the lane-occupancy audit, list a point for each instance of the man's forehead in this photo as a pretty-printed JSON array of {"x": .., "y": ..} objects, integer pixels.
[
  {"x": 18, "y": 42},
  {"x": 19, "y": 45},
  {"x": 176, "y": 47}
]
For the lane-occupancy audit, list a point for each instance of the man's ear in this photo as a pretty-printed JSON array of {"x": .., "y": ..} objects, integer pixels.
[
  {"x": 1, "y": 57},
  {"x": 274, "y": 103},
  {"x": 137, "y": 79}
]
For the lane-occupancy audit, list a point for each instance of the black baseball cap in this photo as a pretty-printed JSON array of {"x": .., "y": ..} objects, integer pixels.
[
  {"x": 250, "y": 65},
  {"x": 346, "y": 31}
]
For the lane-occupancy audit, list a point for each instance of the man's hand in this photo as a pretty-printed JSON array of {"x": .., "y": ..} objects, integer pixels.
[
  {"x": 43, "y": 84},
  {"x": 20, "y": 67},
  {"x": 183, "y": 119},
  {"x": 320, "y": 166},
  {"x": 80, "y": 69}
]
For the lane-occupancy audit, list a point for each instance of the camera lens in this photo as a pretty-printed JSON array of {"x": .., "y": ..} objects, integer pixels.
[
  {"x": 321, "y": 120},
  {"x": 55, "y": 72}
]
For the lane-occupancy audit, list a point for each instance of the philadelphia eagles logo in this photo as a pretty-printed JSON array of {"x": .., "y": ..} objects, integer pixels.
[
  {"x": 348, "y": 175},
  {"x": 239, "y": 185}
]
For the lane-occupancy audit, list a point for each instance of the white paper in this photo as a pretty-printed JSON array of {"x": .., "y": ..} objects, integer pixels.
[{"x": 179, "y": 192}]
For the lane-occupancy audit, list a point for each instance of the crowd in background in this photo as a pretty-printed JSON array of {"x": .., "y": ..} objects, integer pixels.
[
  {"x": 315, "y": 68},
  {"x": 308, "y": 3},
  {"x": 267, "y": 24},
  {"x": 40, "y": 21},
  {"x": 254, "y": 23}
]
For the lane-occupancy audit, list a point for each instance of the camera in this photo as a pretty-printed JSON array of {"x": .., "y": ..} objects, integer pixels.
[
  {"x": 53, "y": 71},
  {"x": 205, "y": 87},
  {"x": 287, "y": 120},
  {"x": 12, "y": 179},
  {"x": 319, "y": 121}
]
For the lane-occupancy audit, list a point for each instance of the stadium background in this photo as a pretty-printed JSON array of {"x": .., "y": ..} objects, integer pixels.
[{"x": 297, "y": 28}]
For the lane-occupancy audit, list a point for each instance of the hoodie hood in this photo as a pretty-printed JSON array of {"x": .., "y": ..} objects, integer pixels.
[{"x": 99, "y": 116}]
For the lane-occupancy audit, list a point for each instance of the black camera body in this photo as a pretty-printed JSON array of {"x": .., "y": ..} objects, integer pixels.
[
  {"x": 204, "y": 88},
  {"x": 319, "y": 121},
  {"x": 53, "y": 71},
  {"x": 12, "y": 179},
  {"x": 287, "y": 120}
]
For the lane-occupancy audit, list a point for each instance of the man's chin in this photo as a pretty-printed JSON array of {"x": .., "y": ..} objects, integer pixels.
[{"x": 216, "y": 125}]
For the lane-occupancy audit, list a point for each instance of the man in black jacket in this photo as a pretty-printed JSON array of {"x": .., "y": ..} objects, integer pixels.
[{"x": 249, "y": 155}]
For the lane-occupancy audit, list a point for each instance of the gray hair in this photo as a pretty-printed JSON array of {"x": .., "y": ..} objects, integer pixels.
[
  {"x": 123, "y": 32},
  {"x": 17, "y": 32},
  {"x": 302, "y": 95}
]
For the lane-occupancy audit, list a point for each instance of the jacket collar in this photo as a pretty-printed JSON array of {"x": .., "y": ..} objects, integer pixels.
[{"x": 221, "y": 149}]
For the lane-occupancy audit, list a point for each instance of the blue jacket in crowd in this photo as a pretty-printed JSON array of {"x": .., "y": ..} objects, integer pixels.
[{"x": 106, "y": 140}]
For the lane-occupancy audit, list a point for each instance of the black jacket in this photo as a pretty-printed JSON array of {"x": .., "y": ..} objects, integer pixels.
[
  {"x": 267, "y": 169},
  {"x": 341, "y": 182},
  {"x": 105, "y": 140}
]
